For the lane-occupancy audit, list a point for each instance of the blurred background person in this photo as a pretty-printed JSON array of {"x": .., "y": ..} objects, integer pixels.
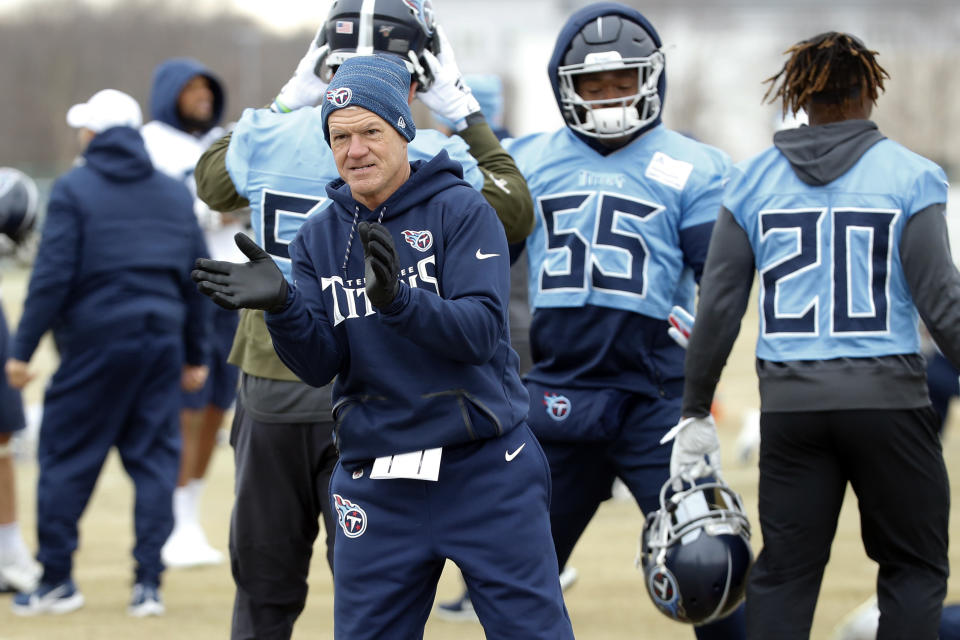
[
  {"x": 111, "y": 280},
  {"x": 187, "y": 102}
]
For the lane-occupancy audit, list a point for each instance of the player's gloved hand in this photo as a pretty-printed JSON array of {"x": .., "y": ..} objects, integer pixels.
[
  {"x": 380, "y": 262},
  {"x": 696, "y": 449},
  {"x": 681, "y": 325},
  {"x": 304, "y": 88},
  {"x": 257, "y": 284},
  {"x": 449, "y": 96}
]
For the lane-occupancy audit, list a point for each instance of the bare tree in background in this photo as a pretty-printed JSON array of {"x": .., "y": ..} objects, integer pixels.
[{"x": 58, "y": 53}]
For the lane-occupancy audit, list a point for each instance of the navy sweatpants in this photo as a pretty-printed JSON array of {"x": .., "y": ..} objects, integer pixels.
[
  {"x": 488, "y": 513},
  {"x": 123, "y": 392},
  {"x": 592, "y": 437}
]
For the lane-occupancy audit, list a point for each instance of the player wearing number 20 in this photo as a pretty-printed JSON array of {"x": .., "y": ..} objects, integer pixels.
[
  {"x": 625, "y": 208},
  {"x": 846, "y": 229}
]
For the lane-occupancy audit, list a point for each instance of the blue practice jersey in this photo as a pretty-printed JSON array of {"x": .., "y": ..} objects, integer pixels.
[
  {"x": 617, "y": 236},
  {"x": 831, "y": 282},
  {"x": 282, "y": 165},
  {"x": 608, "y": 227}
]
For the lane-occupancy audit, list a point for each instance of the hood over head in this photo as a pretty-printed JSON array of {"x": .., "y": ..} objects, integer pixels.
[
  {"x": 119, "y": 154},
  {"x": 169, "y": 79},
  {"x": 565, "y": 39}
]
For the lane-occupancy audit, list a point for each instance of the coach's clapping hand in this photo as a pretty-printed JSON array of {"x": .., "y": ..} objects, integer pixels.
[
  {"x": 257, "y": 284},
  {"x": 380, "y": 263}
]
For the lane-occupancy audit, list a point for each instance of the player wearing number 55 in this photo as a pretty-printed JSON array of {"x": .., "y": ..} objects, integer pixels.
[
  {"x": 624, "y": 211},
  {"x": 847, "y": 231},
  {"x": 400, "y": 290}
]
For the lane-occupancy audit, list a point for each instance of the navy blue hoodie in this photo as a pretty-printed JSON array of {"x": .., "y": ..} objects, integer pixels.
[
  {"x": 118, "y": 243},
  {"x": 433, "y": 369},
  {"x": 169, "y": 79}
]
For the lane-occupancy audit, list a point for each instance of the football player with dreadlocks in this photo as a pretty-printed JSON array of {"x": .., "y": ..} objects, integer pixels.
[
  {"x": 624, "y": 209},
  {"x": 847, "y": 231},
  {"x": 277, "y": 161}
]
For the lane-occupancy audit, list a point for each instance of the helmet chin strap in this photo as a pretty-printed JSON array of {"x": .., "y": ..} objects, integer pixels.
[{"x": 611, "y": 120}]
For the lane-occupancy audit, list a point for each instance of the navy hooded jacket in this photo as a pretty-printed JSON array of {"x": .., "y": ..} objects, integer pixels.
[
  {"x": 169, "y": 79},
  {"x": 118, "y": 243},
  {"x": 433, "y": 369}
]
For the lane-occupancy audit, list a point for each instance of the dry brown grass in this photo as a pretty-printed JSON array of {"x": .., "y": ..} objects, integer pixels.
[{"x": 607, "y": 603}]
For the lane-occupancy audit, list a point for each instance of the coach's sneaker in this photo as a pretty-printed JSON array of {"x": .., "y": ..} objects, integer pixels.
[
  {"x": 146, "y": 601},
  {"x": 48, "y": 598},
  {"x": 21, "y": 573}
]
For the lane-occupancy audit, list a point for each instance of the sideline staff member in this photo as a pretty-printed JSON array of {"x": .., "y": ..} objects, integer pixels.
[{"x": 423, "y": 364}]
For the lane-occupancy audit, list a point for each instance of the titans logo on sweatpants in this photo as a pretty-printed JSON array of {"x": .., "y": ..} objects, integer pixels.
[
  {"x": 353, "y": 519},
  {"x": 558, "y": 407}
]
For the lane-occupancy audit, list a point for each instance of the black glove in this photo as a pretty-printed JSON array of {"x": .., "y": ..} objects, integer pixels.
[
  {"x": 380, "y": 263},
  {"x": 257, "y": 284}
]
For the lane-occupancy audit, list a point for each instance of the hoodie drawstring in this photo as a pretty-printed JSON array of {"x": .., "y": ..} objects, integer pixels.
[{"x": 353, "y": 228}]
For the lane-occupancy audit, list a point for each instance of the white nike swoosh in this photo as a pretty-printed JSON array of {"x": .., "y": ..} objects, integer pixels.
[
  {"x": 484, "y": 256},
  {"x": 510, "y": 456}
]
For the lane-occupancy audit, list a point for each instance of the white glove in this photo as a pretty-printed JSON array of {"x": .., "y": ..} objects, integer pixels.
[
  {"x": 304, "y": 88},
  {"x": 681, "y": 325},
  {"x": 696, "y": 449},
  {"x": 449, "y": 96}
]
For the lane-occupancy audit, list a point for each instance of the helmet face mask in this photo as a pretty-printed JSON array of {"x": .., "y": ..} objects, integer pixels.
[
  {"x": 611, "y": 118},
  {"x": 695, "y": 551},
  {"x": 610, "y": 43},
  {"x": 403, "y": 28}
]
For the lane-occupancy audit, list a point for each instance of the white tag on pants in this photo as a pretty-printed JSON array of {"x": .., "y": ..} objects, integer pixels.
[{"x": 416, "y": 465}]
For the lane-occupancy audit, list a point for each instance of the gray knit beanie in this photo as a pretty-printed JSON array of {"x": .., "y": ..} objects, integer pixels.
[{"x": 377, "y": 83}]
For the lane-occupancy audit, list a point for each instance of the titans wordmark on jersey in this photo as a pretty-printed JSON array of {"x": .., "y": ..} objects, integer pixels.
[{"x": 348, "y": 298}]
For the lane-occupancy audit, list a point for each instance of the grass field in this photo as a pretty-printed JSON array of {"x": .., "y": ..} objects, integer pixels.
[{"x": 607, "y": 603}]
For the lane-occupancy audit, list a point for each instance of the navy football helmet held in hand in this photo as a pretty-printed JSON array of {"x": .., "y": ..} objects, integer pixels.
[
  {"x": 695, "y": 551},
  {"x": 19, "y": 202},
  {"x": 403, "y": 28}
]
